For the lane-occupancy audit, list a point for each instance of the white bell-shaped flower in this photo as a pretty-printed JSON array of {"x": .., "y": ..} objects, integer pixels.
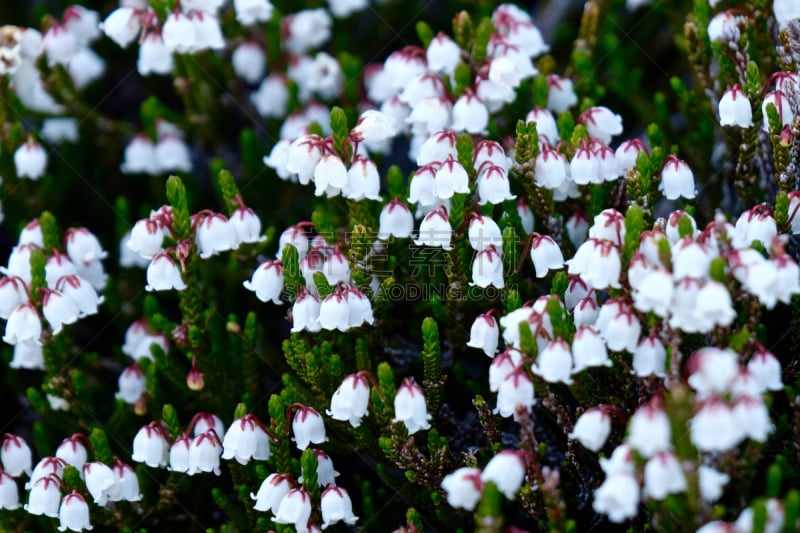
[
  {"x": 214, "y": 235},
  {"x": 30, "y": 160},
  {"x": 654, "y": 292},
  {"x": 172, "y": 155},
  {"x": 470, "y": 114},
  {"x": 351, "y": 400},
  {"x": 140, "y": 156},
  {"x": 584, "y": 167},
  {"x": 127, "y": 483},
  {"x": 13, "y": 293},
  {"x": 663, "y": 476},
  {"x": 734, "y": 108},
  {"x": 677, "y": 179},
  {"x": 272, "y": 490},
  {"x": 204, "y": 453},
  {"x": 207, "y": 31},
  {"x": 60, "y": 45},
  {"x": 422, "y": 188},
  {"x": 463, "y": 487},
  {"x": 46, "y": 467},
  {"x": 482, "y": 232},
  {"x": 484, "y": 334},
  {"x": 249, "y": 61},
  {"x": 150, "y": 446},
  {"x": 437, "y": 148},
  {"x": 451, "y": 178},
  {"x": 515, "y": 391},
  {"x": 650, "y": 357},
  {"x": 330, "y": 175},
  {"x": 546, "y": 126},
  {"x": 435, "y": 229},
  {"x": 487, "y": 268},
  {"x": 374, "y": 127},
  {"x": 561, "y": 93},
  {"x": 359, "y": 307},
  {"x": 246, "y": 226},
  {"x": 410, "y": 408},
  {"x": 44, "y": 497},
  {"x": 24, "y": 324},
  {"x": 617, "y": 497},
  {"x": 81, "y": 293},
  {"x": 711, "y": 483},
  {"x": 334, "y": 312},
  {"x": 249, "y": 12},
  {"x": 100, "y": 482},
  {"x": 395, "y": 220},
  {"x": 592, "y": 428},
  {"x": 588, "y": 349},
  {"x": 714, "y": 428},
  {"x": 554, "y": 363},
  {"x": 767, "y": 370},
  {"x": 756, "y": 224},
  {"x": 73, "y": 451},
  {"x": 493, "y": 185},
  {"x": 146, "y": 238},
  {"x": 752, "y": 416},
  {"x": 163, "y": 274},
  {"x": 308, "y": 427},
  {"x": 545, "y": 255},
  {"x": 73, "y": 514},
  {"x": 597, "y": 261},
  {"x": 649, "y": 430},
  {"x": 179, "y": 454},
  {"x": 601, "y": 123},
  {"x": 246, "y": 439},
  {"x": 179, "y": 33},
  {"x": 267, "y": 282},
  {"x": 28, "y": 354},
  {"x": 712, "y": 371},
  {"x": 326, "y": 475},
  {"x": 132, "y": 385},
  {"x": 363, "y": 180},
  {"x": 271, "y": 100},
  {"x": 507, "y": 471},
  {"x": 552, "y": 168},
  {"x": 443, "y": 54},
  {"x": 58, "y": 310},
  {"x": 621, "y": 461},
  {"x": 122, "y": 26},
  {"x": 295, "y": 508},
  {"x": 154, "y": 58},
  {"x": 16, "y": 456},
  {"x": 503, "y": 366},
  {"x": 57, "y": 266},
  {"x": 305, "y": 312},
  {"x": 9, "y": 494},
  {"x": 336, "y": 506},
  {"x": 609, "y": 224},
  {"x": 429, "y": 116},
  {"x": 780, "y": 100}
]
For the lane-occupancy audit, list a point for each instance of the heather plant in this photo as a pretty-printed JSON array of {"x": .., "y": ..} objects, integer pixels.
[{"x": 400, "y": 266}]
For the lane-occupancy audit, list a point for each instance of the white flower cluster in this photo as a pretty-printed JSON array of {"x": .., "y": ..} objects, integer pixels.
[
  {"x": 289, "y": 503},
  {"x": 213, "y": 233},
  {"x": 730, "y": 409},
  {"x": 169, "y": 154},
  {"x": 66, "y": 43},
  {"x": 345, "y": 307},
  {"x": 350, "y": 403},
  {"x": 464, "y": 487},
  {"x": 105, "y": 484},
  {"x": 72, "y": 280}
]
